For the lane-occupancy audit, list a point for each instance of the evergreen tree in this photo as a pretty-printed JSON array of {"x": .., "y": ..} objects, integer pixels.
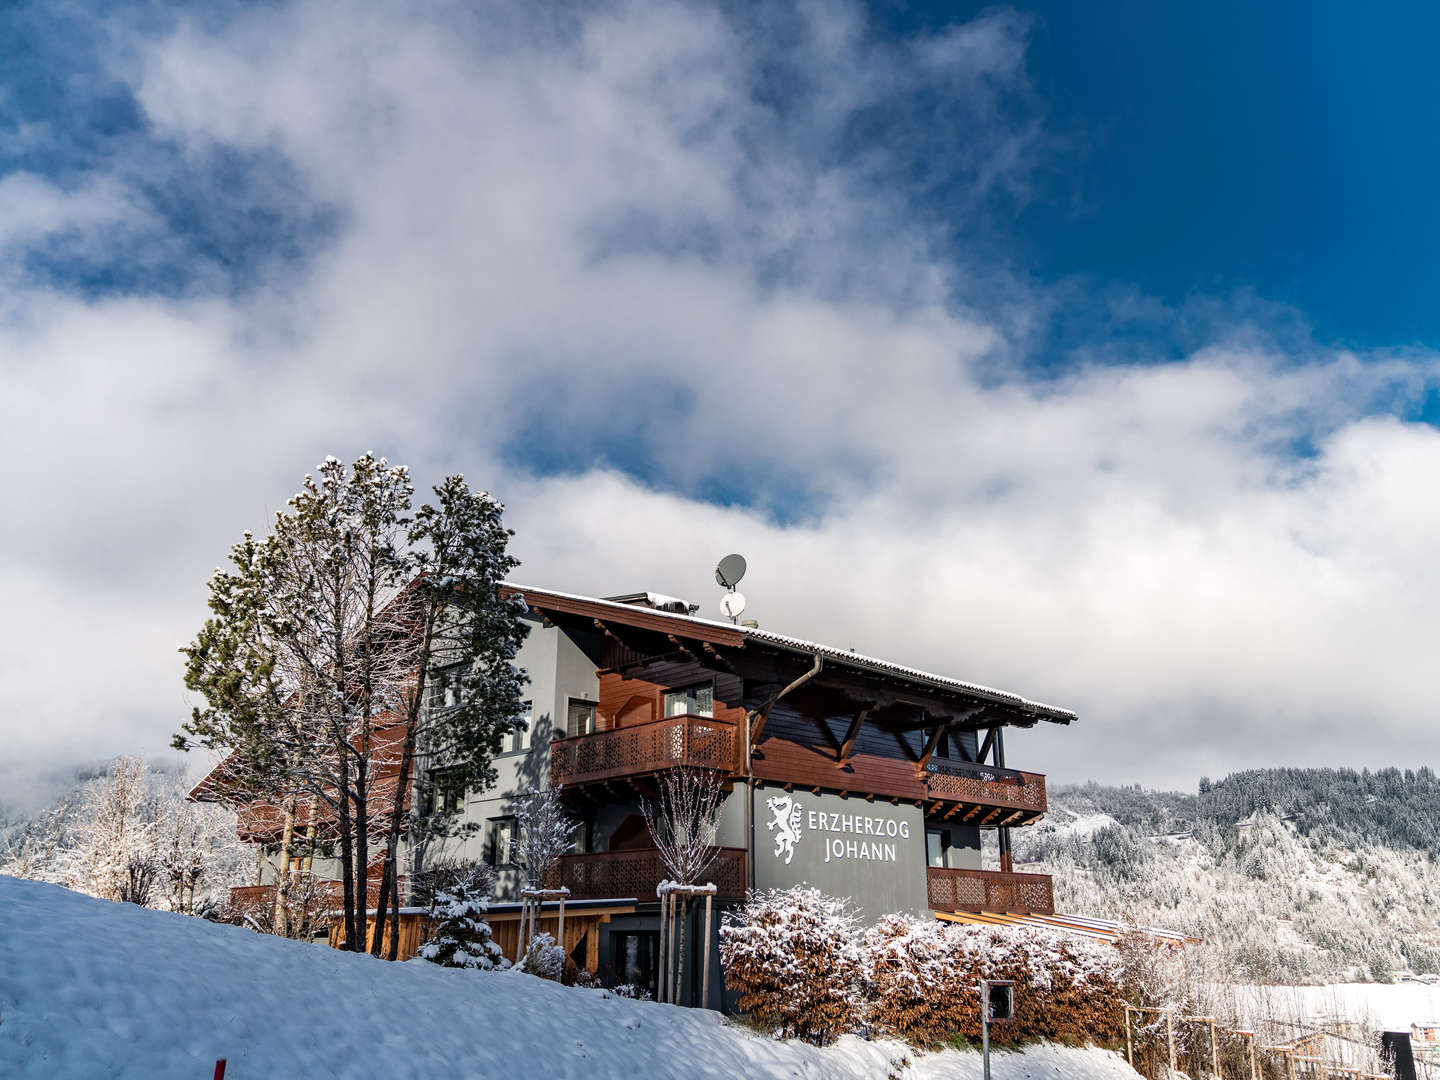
[
  {"x": 318, "y": 660},
  {"x": 461, "y": 936}
]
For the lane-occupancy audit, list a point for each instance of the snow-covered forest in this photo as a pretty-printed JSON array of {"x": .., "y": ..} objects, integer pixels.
[
  {"x": 1290, "y": 875},
  {"x": 127, "y": 832}
]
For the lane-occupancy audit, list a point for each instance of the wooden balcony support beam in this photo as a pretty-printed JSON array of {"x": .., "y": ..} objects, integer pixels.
[
  {"x": 681, "y": 648},
  {"x": 720, "y": 658},
  {"x": 851, "y": 734},
  {"x": 930, "y": 745},
  {"x": 985, "y": 746}
]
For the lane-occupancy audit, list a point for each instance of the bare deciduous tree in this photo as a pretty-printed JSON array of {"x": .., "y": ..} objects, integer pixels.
[
  {"x": 546, "y": 833},
  {"x": 683, "y": 823}
]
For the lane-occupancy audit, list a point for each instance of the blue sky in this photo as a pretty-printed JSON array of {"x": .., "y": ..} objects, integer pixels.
[
  {"x": 1286, "y": 149},
  {"x": 1084, "y": 351}
]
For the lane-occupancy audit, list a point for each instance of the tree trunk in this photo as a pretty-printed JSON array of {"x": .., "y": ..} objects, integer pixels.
[
  {"x": 680, "y": 951},
  {"x": 362, "y": 849},
  {"x": 310, "y": 838},
  {"x": 347, "y": 852},
  {"x": 390, "y": 876},
  {"x": 280, "y": 917}
]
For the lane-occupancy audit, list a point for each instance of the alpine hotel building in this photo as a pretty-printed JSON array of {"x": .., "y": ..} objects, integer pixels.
[{"x": 862, "y": 777}]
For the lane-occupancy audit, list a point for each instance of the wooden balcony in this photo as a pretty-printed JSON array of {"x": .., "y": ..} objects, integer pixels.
[
  {"x": 984, "y": 795},
  {"x": 606, "y": 875},
  {"x": 642, "y": 749},
  {"x": 989, "y": 890}
]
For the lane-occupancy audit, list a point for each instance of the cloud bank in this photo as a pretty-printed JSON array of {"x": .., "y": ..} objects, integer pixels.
[{"x": 675, "y": 281}]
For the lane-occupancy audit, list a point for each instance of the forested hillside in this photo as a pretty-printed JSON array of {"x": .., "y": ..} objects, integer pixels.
[{"x": 1290, "y": 875}]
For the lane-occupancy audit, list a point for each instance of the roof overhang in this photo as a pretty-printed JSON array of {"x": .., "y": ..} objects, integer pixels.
[{"x": 1013, "y": 708}]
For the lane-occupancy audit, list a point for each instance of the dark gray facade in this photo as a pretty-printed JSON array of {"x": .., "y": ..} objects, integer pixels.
[{"x": 872, "y": 852}]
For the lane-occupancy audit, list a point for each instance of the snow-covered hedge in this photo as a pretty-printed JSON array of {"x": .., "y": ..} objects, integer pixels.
[
  {"x": 802, "y": 968},
  {"x": 793, "y": 957},
  {"x": 923, "y": 979}
]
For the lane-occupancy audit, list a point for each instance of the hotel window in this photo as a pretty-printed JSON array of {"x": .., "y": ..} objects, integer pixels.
[
  {"x": 520, "y": 737},
  {"x": 442, "y": 689},
  {"x": 580, "y": 717},
  {"x": 446, "y": 794},
  {"x": 691, "y": 701},
  {"x": 503, "y": 835},
  {"x": 936, "y": 844}
]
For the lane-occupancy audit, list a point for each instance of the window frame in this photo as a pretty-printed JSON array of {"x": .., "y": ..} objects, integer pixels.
[
  {"x": 688, "y": 692},
  {"x": 590, "y": 726},
  {"x": 522, "y": 739},
  {"x": 492, "y": 841}
]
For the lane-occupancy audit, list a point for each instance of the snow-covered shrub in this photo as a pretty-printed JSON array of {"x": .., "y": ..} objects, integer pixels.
[
  {"x": 923, "y": 980},
  {"x": 793, "y": 958},
  {"x": 543, "y": 957},
  {"x": 630, "y": 990},
  {"x": 460, "y": 936},
  {"x": 911, "y": 968}
]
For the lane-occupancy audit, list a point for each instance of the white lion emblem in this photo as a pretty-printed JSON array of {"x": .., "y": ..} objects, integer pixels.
[{"x": 787, "y": 820}]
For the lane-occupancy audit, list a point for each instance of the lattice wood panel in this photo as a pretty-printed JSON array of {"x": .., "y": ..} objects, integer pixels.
[
  {"x": 610, "y": 874},
  {"x": 988, "y": 890},
  {"x": 644, "y": 748},
  {"x": 983, "y": 787}
]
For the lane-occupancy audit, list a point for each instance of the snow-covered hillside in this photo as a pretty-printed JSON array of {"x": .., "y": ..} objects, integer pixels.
[
  {"x": 90, "y": 988},
  {"x": 1295, "y": 876}
]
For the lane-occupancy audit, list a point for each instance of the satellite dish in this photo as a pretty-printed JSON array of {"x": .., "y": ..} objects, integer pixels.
[
  {"x": 732, "y": 604},
  {"x": 730, "y": 571}
]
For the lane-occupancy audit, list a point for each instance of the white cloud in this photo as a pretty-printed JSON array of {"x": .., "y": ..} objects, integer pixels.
[{"x": 604, "y": 230}]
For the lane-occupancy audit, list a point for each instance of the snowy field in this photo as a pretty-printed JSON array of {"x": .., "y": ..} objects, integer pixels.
[
  {"x": 94, "y": 989},
  {"x": 1389, "y": 1006}
]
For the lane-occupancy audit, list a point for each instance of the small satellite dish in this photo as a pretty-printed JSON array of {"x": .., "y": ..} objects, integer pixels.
[
  {"x": 730, "y": 571},
  {"x": 732, "y": 604}
]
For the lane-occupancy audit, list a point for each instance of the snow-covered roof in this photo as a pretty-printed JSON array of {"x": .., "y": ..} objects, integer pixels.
[
  {"x": 845, "y": 657},
  {"x": 1079, "y": 925}
]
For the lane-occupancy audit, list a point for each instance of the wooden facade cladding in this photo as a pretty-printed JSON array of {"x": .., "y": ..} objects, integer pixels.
[
  {"x": 637, "y": 873},
  {"x": 989, "y": 890},
  {"x": 806, "y": 753}
]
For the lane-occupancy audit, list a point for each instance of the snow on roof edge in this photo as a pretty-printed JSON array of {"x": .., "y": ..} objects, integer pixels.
[{"x": 844, "y": 656}]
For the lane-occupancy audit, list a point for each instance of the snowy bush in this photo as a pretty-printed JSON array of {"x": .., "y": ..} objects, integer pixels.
[
  {"x": 911, "y": 968},
  {"x": 792, "y": 956},
  {"x": 923, "y": 979},
  {"x": 461, "y": 936},
  {"x": 543, "y": 957}
]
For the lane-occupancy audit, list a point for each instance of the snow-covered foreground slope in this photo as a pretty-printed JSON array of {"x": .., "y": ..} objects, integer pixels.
[{"x": 94, "y": 989}]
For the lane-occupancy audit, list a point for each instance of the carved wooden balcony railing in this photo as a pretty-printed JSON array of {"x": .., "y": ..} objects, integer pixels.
[
  {"x": 984, "y": 794},
  {"x": 989, "y": 890},
  {"x": 641, "y": 749},
  {"x": 607, "y": 875}
]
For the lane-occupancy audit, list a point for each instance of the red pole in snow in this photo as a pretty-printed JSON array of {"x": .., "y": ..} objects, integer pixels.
[{"x": 220, "y": 1069}]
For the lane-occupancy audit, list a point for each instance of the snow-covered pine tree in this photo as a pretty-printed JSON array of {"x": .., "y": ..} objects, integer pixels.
[
  {"x": 316, "y": 663},
  {"x": 464, "y": 630},
  {"x": 460, "y": 936}
]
